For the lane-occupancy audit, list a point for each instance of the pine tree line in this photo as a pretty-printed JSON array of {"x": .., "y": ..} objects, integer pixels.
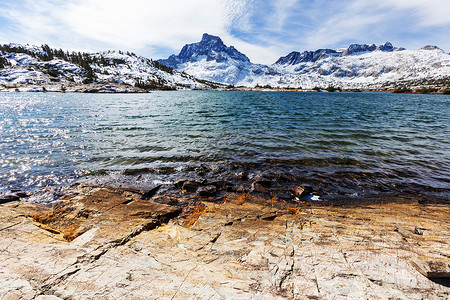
[
  {"x": 153, "y": 85},
  {"x": 162, "y": 67},
  {"x": 81, "y": 59},
  {"x": 84, "y": 60}
]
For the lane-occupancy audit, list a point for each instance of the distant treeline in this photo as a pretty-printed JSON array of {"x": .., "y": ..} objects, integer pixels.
[
  {"x": 82, "y": 59},
  {"x": 47, "y": 54}
]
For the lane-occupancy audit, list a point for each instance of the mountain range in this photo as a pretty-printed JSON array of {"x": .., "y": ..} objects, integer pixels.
[
  {"x": 211, "y": 64},
  {"x": 358, "y": 66}
]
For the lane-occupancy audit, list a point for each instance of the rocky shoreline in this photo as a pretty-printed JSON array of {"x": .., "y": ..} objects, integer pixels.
[
  {"x": 119, "y": 243},
  {"x": 97, "y": 88},
  {"x": 117, "y": 88}
]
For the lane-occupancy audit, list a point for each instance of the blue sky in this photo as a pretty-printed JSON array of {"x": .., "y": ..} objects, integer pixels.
[{"x": 262, "y": 29}]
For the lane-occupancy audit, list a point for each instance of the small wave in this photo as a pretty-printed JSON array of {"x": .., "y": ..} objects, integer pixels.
[{"x": 318, "y": 162}]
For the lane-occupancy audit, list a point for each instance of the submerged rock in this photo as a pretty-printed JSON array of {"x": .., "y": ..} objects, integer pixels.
[
  {"x": 12, "y": 195},
  {"x": 265, "y": 182},
  {"x": 207, "y": 191},
  {"x": 240, "y": 189},
  {"x": 284, "y": 177},
  {"x": 191, "y": 186},
  {"x": 150, "y": 193},
  {"x": 261, "y": 185},
  {"x": 243, "y": 175},
  {"x": 258, "y": 188},
  {"x": 8, "y": 198},
  {"x": 300, "y": 192},
  {"x": 179, "y": 182}
]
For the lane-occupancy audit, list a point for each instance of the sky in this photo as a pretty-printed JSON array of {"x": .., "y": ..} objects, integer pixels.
[{"x": 264, "y": 30}]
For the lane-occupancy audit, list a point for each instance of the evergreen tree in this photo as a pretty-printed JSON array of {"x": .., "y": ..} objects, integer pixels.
[{"x": 4, "y": 62}]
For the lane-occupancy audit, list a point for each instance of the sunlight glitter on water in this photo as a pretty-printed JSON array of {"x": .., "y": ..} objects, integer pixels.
[{"x": 351, "y": 142}]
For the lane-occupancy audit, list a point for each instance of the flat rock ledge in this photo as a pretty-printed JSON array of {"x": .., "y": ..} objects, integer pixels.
[{"x": 105, "y": 243}]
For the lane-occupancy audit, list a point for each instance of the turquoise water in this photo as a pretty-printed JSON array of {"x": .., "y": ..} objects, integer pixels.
[{"x": 346, "y": 143}]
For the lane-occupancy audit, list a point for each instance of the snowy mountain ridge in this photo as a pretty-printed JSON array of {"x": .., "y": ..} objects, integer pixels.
[
  {"x": 210, "y": 47},
  {"x": 28, "y": 67},
  {"x": 357, "y": 66},
  {"x": 211, "y": 64},
  {"x": 210, "y": 59},
  {"x": 295, "y": 57}
]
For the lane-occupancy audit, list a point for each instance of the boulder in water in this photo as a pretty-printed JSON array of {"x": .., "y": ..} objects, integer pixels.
[{"x": 300, "y": 192}]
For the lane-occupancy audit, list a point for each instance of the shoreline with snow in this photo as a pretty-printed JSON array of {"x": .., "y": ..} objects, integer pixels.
[{"x": 112, "y": 88}]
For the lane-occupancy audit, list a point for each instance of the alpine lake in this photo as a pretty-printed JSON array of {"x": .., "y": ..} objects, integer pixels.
[{"x": 342, "y": 145}]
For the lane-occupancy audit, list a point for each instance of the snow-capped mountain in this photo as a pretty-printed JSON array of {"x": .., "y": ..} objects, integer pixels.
[
  {"x": 358, "y": 66},
  {"x": 210, "y": 59},
  {"x": 366, "y": 66},
  {"x": 28, "y": 67},
  {"x": 295, "y": 57},
  {"x": 210, "y": 48},
  {"x": 210, "y": 64}
]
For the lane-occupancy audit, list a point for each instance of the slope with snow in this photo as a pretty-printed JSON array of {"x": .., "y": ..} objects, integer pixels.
[
  {"x": 210, "y": 59},
  {"x": 370, "y": 69},
  {"x": 34, "y": 66},
  {"x": 358, "y": 66},
  {"x": 210, "y": 63}
]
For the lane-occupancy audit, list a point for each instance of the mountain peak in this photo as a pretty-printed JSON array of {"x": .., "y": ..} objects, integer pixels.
[
  {"x": 386, "y": 47},
  {"x": 357, "y": 49},
  {"x": 210, "y": 47},
  {"x": 207, "y": 38},
  {"x": 430, "y": 47},
  {"x": 295, "y": 57}
]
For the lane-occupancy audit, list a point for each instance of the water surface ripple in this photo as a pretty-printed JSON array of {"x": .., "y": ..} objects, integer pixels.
[{"x": 347, "y": 143}]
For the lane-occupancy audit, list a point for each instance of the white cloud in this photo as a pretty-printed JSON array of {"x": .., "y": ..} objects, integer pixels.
[
  {"x": 429, "y": 12},
  {"x": 263, "y": 54},
  {"x": 370, "y": 21},
  {"x": 139, "y": 22},
  {"x": 353, "y": 22},
  {"x": 283, "y": 9},
  {"x": 238, "y": 13},
  {"x": 134, "y": 24},
  {"x": 29, "y": 20},
  {"x": 262, "y": 29}
]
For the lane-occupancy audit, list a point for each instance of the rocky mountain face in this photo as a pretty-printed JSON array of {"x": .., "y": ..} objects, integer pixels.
[
  {"x": 211, "y": 59},
  {"x": 358, "y": 66},
  {"x": 366, "y": 66},
  {"x": 210, "y": 48},
  {"x": 295, "y": 58},
  {"x": 33, "y": 68}
]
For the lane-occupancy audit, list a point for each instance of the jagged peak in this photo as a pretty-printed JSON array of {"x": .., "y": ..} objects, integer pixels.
[
  {"x": 208, "y": 37},
  {"x": 210, "y": 46},
  {"x": 295, "y": 57},
  {"x": 361, "y": 48},
  {"x": 358, "y": 48},
  {"x": 431, "y": 47},
  {"x": 289, "y": 59},
  {"x": 386, "y": 47}
]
